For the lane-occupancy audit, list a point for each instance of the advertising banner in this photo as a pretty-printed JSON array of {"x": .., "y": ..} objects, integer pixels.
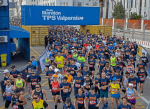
[
  {"x": 42, "y": 61},
  {"x": 60, "y": 15}
]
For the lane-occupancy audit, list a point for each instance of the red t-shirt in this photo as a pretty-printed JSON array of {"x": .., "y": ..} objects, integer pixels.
[{"x": 85, "y": 45}]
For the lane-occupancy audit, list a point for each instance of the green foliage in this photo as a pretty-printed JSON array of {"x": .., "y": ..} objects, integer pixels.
[
  {"x": 119, "y": 11},
  {"x": 135, "y": 16}
]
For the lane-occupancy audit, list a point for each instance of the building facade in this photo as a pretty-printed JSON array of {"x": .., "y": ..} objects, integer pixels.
[{"x": 131, "y": 6}]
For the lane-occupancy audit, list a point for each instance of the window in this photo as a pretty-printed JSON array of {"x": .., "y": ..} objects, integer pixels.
[
  {"x": 94, "y": 4},
  {"x": 89, "y": 0},
  {"x": 87, "y": 4},
  {"x": 79, "y": 3},
  {"x": 60, "y": 3},
  {"x": 131, "y": 3},
  {"x": 66, "y": 3},
  {"x": 124, "y": 4},
  {"x": 53, "y": 3},
  {"x": 48, "y": 4},
  {"x": 145, "y": 3},
  {"x": 127, "y": 4},
  {"x": 135, "y": 3}
]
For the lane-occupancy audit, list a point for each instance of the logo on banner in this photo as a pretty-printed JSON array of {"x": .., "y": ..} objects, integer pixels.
[{"x": 50, "y": 14}]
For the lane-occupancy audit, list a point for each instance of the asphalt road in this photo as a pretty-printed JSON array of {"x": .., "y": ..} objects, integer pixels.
[{"x": 140, "y": 104}]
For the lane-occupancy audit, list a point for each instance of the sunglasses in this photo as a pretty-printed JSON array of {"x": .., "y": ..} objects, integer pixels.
[
  {"x": 34, "y": 98},
  {"x": 37, "y": 87},
  {"x": 18, "y": 76}
]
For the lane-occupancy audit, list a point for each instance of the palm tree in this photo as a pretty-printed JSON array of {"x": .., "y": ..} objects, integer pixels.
[{"x": 101, "y": 7}]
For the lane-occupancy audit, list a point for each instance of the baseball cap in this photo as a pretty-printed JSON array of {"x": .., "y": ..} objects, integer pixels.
[
  {"x": 130, "y": 84},
  {"x": 114, "y": 79},
  {"x": 32, "y": 57},
  {"x": 12, "y": 66},
  {"x": 5, "y": 71},
  {"x": 117, "y": 63},
  {"x": 50, "y": 68},
  {"x": 56, "y": 70},
  {"x": 16, "y": 91},
  {"x": 68, "y": 100},
  {"x": 98, "y": 73},
  {"x": 55, "y": 76}
]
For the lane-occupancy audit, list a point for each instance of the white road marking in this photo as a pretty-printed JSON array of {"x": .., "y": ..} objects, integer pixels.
[{"x": 143, "y": 98}]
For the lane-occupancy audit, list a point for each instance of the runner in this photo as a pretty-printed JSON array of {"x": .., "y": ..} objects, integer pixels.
[
  {"x": 73, "y": 68},
  {"x": 129, "y": 67},
  {"x": 124, "y": 104},
  {"x": 59, "y": 61},
  {"x": 87, "y": 84},
  {"x": 59, "y": 75},
  {"x": 8, "y": 93},
  {"x": 17, "y": 100},
  {"x": 47, "y": 63},
  {"x": 119, "y": 78},
  {"x": 34, "y": 63},
  {"x": 39, "y": 91},
  {"x": 34, "y": 79},
  {"x": 85, "y": 71},
  {"x": 114, "y": 90},
  {"x": 117, "y": 68},
  {"x": 91, "y": 99},
  {"x": 131, "y": 94},
  {"x": 142, "y": 74},
  {"x": 38, "y": 103},
  {"x": 134, "y": 80},
  {"x": 109, "y": 71},
  {"x": 49, "y": 75},
  {"x": 70, "y": 78},
  {"x": 78, "y": 82},
  {"x": 113, "y": 60},
  {"x": 140, "y": 65},
  {"x": 65, "y": 89},
  {"x": 79, "y": 100},
  {"x": 125, "y": 82},
  {"x": 81, "y": 60},
  {"x": 68, "y": 104},
  {"x": 91, "y": 64},
  {"x": 14, "y": 72},
  {"x": 96, "y": 83},
  {"x": 103, "y": 85},
  {"x": 20, "y": 84},
  {"x": 144, "y": 59},
  {"x": 55, "y": 89}
]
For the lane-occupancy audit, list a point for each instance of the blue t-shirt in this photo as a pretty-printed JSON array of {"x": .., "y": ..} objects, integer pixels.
[
  {"x": 68, "y": 107},
  {"x": 127, "y": 51},
  {"x": 34, "y": 80},
  {"x": 78, "y": 82},
  {"x": 104, "y": 82},
  {"x": 132, "y": 59},
  {"x": 30, "y": 67},
  {"x": 102, "y": 65},
  {"x": 15, "y": 73},
  {"x": 96, "y": 81},
  {"x": 65, "y": 92},
  {"x": 91, "y": 63},
  {"x": 73, "y": 68},
  {"x": 92, "y": 99},
  {"x": 50, "y": 73},
  {"x": 80, "y": 99},
  {"x": 34, "y": 63},
  {"x": 117, "y": 69},
  {"x": 121, "y": 106},
  {"x": 85, "y": 73},
  {"x": 119, "y": 78},
  {"x": 135, "y": 80}
]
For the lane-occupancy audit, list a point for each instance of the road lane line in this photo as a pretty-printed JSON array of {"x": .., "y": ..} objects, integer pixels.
[
  {"x": 143, "y": 98},
  {"x": 35, "y": 51}
]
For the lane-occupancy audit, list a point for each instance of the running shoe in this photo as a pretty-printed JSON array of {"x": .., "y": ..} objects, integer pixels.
[{"x": 106, "y": 105}]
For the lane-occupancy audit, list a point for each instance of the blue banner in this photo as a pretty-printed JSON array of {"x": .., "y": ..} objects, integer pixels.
[{"x": 60, "y": 15}]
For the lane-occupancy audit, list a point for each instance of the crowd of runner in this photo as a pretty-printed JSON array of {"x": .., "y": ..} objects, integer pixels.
[{"x": 92, "y": 67}]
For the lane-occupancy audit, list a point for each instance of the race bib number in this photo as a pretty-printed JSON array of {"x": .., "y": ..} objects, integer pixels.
[
  {"x": 8, "y": 94},
  {"x": 87, "y": 86},
  {"x": 80, "y": 102},
  {"x": 134, "y": 85},
  {"x": 27, "y": 76},
  {"x": 108, "y": 76},
  {"x": 33, "y": 83},
  {"x": 65, "y": 91},
  {"x": 59, "y": 62},
  {"x": 103, "y": 88},
  {"x": 54, "y": 88},
  {"x": 72, "y": 72},
  {"x": 142, "y": 79},
  {"x": 18, "y": 84},
  {"x": 131, "y": 97},
  {"x": 96, "y": 85},
  {"x": 77, "y": 85},
  {"x": 92, "y": 102},
  {"x": 90, "y": 65},
  {"x": 15, "y": 106}
]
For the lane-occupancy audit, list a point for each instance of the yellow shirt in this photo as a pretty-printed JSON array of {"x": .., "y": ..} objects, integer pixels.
[
  {"x": 114, "y": 88},
  {"x": 60, "y": 63}
]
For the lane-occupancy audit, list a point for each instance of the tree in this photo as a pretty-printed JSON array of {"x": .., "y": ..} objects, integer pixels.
[
  {"x": 119, "y": 11},
  {"x": 135, "y": 16}
]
